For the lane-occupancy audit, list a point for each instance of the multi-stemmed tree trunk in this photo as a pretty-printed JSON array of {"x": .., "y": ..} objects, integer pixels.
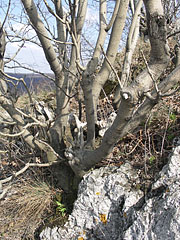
[{"x": 136, "y": 99}]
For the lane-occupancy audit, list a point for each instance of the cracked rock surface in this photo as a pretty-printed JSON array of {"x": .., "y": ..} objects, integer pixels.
[
  {"x": 159, "y": 218},
  {"x": 110, "y": 206}
]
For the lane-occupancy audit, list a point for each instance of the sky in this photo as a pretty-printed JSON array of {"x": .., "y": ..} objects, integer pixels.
[{"x": 31, "y": 55}]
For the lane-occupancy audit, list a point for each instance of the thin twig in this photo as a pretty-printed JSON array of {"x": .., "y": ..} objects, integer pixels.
[
  {"x": 38, "y": 72},
  {"x": 165, "y": 132},
  {"x": 7, "y": 12},
  {"x": 4, "y": 191},
  {"x": 16, "y": 53},
  {"x": 145, "y": 154},
  {"x": 24, "y": 169},
  {"x": 151, "y": 75},
  {"x": 134, "y": 148},
  {"x": 53, "y": 13},
  {"x": 19, "y": 133},
  {"x": 173, "y": 34},
  {"x": 42, "y": 124},
  {"x": 113, "y": 69}
]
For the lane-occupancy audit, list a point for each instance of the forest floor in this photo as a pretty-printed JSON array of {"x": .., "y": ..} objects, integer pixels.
[{"x": 32, "y": 198}]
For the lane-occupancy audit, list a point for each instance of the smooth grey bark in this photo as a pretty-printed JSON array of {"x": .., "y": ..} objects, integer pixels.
[
  {"x": 92, "y": 83},
  {"x": 124, "y": 124},
  {"x": 63, "y": 80},
  {"x": 3, "y": 85},
  {"x": 89, "y": 74},
  {"x": 61, "y": 85},
  {"x": 134, "y": 104},
  {"x": 43, "y": 36},
  {"x": 132, "y": 39},
  {"x": 127, "y": 117},
  {"x": 177, "y": 52}
]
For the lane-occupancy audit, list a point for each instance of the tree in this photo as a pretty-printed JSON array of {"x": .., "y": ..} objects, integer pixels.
[{"x": 71, "y": 157}]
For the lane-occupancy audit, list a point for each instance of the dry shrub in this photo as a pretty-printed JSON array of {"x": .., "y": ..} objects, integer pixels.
[
  {"x": 23, "y": 212},
  {"x": 149, "y": 146}
]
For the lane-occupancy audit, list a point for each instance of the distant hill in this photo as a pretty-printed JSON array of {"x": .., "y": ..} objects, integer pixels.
[{"x": 34, "y": 82}]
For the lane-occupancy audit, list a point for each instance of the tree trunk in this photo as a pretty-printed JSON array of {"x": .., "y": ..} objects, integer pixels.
[
  {"x": 3, "y": 85},
  {"x": 130, "y": 47},
  {"x": 128, "y": 118}
]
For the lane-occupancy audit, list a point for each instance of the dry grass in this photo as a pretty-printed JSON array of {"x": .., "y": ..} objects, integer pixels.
[{"x": 23, "y": 212}]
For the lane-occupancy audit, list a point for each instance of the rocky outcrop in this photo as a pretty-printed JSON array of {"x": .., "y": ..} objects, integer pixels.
[
  {"x": 111, "y": 206},
  {"x": 159, "y": 217}
]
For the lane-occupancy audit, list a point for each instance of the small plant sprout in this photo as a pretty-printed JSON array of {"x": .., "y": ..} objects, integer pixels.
[
  {"x": 173, "y": 116},
  {"x": 61, "y": 208},
  {"x": 151, "y": 159}
]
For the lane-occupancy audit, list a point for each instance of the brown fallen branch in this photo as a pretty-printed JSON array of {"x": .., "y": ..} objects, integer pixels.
[
  {"x": 19, "y": 133},
  {"x": 5, "y": 190},
  {"x": 24, "y": 169}
]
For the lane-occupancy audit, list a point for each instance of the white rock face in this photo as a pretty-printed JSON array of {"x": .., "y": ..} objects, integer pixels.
[
  {"x": 159, "y": 218},
  {"x": 104, "y": 197},
  {"x": 110, "y": 206}
]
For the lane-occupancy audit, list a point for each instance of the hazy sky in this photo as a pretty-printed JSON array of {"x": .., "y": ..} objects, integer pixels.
[{"x": 31, "y": 55}]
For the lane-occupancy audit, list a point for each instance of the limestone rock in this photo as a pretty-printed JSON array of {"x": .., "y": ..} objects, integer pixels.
[
  {"x": 104, "y": 199},
  {"x": 159, "y": 218},
  {"x": 110, "y": 206}
]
